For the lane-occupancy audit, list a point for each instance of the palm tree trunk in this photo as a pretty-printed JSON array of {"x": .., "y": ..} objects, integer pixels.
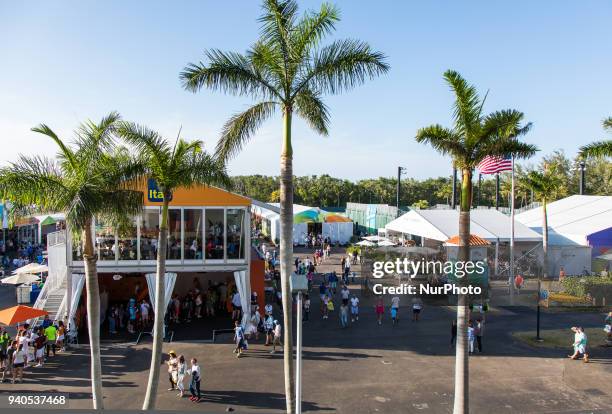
[
  {"x": 545, "y": 239},
  {"x": 461, "y": 403},
  {"x": 93, "y": 316},
  {"x": 160, "y": 311},
  {"x": 286, "y": 255}
]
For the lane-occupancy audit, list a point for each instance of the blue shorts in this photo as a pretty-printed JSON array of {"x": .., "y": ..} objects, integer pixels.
[{"x": 393, "y": 313}]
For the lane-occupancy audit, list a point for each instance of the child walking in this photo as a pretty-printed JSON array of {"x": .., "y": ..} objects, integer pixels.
[
  {"x": 194, "y": 386},
  {"x": 181, "y": 369}
]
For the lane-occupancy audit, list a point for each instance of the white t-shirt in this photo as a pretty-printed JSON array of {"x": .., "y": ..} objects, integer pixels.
[
  {"x": 236, "y": 299},
  {"x": 395, "y": 302},
  {"x": 18, "y": 357},
  {"x": 345, "y": 293},
  {"x": 195, "y": 371},
  {"x": 354, "y": 302},
  {"x": 278, "y": 330}
]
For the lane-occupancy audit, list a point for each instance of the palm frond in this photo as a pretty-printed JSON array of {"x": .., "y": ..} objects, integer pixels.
[
  {"x": 239, "y": 128},
  {"x": 443, "y": 140},
  {"x": 65, "y": 153},
  {"x": 312, "y": 28},
  {"x": 467, "y": 106},
  {"x": 504, "y": 146},
  {"x": 607, "y": 123},
  {"x": 597, "y": 149},
  {"x": 341, "y": 66},
  {"x": 277, "y": 23},
  {"x": 313, "y": 110},
  {"x": 227, "y": 72},
  {"x": 145, "y": 140},
  {"x": 205, "y": 169}
]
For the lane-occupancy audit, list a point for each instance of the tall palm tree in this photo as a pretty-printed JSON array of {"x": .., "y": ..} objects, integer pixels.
[
  {"x": 286, "y": 69},
  {"x": 600, "y": 148},
  {"x": 183, "y": 164},
  {"x": 472, "y": 137},
  {"x": 87, "y": 180},
  {"x": 546, "y": 186}
]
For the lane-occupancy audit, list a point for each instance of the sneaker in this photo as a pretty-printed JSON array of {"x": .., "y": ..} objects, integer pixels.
[
  {"x": 191, "y": 398},
  {"x": 170, "y": 389}
]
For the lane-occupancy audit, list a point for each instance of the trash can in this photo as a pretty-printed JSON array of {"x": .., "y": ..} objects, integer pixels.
[{"x": 23, "y": 293}]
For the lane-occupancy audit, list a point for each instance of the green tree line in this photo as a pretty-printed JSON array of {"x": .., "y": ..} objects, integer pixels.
[{"x": 324, "y": 190}]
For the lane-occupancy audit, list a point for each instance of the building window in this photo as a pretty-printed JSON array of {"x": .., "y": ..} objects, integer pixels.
[
  {"x": 193, "y": 234},
  {"x": 105, "y": 241},
  {"x": 128, "y": 240},
  {"x": 174, "y": 234},
  {"x": 149, "y": 234},
  {"x": 214, "y": 233},
  {"x": 235, "y": 233}
]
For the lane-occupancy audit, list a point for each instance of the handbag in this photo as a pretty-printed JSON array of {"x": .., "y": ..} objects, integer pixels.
[{"x": 330, "y": 305}]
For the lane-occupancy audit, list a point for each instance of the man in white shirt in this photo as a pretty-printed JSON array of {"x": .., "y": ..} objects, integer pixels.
[
  {"x": 277, "y": 336},
  {"x": 354, "y": 308},
  {"x": 345, "y": 293}
]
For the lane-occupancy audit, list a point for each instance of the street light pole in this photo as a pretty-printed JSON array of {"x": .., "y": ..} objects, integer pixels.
[
  {"x": 298, "y": 368},
  {"x": 582, "y": 168},
  {"x": 399, "y": 188}
]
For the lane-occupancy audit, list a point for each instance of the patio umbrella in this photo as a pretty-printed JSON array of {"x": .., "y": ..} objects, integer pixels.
[
  {"x": 20, "y": 313},
  {"x": 308, "y": 216},
  {"x": 385, "y": 243},
  {"x": 366, "y": 243},
  {"x": 336, "y": 218},
  {"x": 31, "y": 268},
  {"x": 374, "y": 238},
  {"x": 20, "y": 278}
]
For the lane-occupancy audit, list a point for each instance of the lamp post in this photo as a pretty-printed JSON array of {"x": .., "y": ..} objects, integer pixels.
[
  {"x": 582, "y": 165},
  {"x": 299, "y": 285},
  {"x": 400, "y": 171}
]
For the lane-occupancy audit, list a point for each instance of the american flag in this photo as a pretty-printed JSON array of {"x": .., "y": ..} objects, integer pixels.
[{"x": 492, "y": 164}]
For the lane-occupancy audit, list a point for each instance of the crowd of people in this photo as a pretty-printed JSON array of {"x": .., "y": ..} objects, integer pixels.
[{"x": 30, "y": 348}]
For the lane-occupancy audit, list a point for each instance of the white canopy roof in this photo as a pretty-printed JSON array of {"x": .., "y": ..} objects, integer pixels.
[
  {"x": 572, "y": 219},
  {"x": 441, "y": 225}
]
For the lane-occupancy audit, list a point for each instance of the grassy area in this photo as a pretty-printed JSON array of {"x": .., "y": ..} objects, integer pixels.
[{"x": 559, "y": 338}]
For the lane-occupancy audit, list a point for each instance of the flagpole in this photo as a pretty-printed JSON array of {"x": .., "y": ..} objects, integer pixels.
[{"x": 511, "y": 278}]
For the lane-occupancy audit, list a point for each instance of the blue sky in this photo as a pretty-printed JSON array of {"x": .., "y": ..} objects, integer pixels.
[{"x": 67, "y": 61}]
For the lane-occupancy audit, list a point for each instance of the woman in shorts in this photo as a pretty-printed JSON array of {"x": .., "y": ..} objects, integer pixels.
[
  {"x": 19, "y": 360},
  {"x": 61, "y": 334}
]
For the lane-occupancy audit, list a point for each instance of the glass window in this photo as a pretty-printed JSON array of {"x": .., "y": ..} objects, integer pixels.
[
  {"x": 77, "y": 246},
  {"x": 235, "y": 233},
  {"x": 174, "y": 234},
  {"x": 105, "y": 241},
  {"x": 149, "y": 234},
  {"x": 193, "y": 234},
  {"x": 214, "y": 233},
  {"x": 128, "y": 236}
]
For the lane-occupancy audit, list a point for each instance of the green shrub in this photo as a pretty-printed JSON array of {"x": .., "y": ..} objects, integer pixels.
[{"x": 580, "y": 286}]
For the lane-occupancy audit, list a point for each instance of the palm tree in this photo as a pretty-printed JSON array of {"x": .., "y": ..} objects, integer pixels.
[
  {"x": 546, "y": 186},
  {"x": 473, "y": 137},
  {"x": 600, "y": 148},
  {"x": 183, "y": 164},
  {"x": 286, "y": 69},
  {"x": 87, "y": 180}
]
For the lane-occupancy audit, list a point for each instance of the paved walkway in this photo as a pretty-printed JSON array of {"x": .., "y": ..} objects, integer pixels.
[{"x": 365, "y": 368}]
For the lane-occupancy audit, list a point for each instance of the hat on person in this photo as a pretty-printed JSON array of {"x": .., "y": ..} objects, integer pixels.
[{"x": 172, "y": 353}]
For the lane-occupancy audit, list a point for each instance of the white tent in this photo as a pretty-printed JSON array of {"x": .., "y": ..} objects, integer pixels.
[
  {"x": 20, "y": 278},
  {"x": 572, "y": 220},
  {"x": 441, "y": 225},
  {"x": 31, "y": 268}
]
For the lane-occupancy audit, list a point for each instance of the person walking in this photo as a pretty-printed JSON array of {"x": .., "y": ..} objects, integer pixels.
[
  {"x": 453, "y": 333},
  {"x": 380, "y": 310},
  {"x": 580, "y": 344},
  {"x": 343, "y": 315},
  {"x": 61, "y": 335},
  {"x": 5, "y": 339},
  {"x": 269, "y": 328},
  {"x": 395, "y": 301},
  {"x": 417, "y": 306},
  {"x": 354, "y": 308},
  {"x": 306, "y": 307},
  {"x": 51, "y": 334},
  {"x": 239, "y": 339},
  {"x": 172, "y": 370},
  {"x": 471, "y": 337},
  {"x": 277, "y": 337},
  {"x": 19, "y": 361},
  {"x": 345, "y": 294},
  {"x": 181, "y": 371},
  {"x": 40, "y": 344},
  {"x": 478, "y": 331},
  {"x": 194, "y": 385}
]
